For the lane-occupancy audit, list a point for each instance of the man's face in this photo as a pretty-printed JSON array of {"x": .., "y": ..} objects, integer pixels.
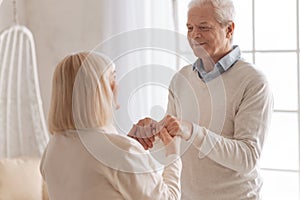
[{"x": 206, "y": 35}]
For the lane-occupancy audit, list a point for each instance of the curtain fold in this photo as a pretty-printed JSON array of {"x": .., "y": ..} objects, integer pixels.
[{"x": 131, "y": 31}]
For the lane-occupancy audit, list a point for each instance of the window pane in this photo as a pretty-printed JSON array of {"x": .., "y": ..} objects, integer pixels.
[
  {"x": 248, "y": 57},
  {"x": 281, "y": 70},
  {"x": 243, "y": 24},
  {"x": 275, "y": 22},
  {"x": 281, "y": 145},
  {"x": 187, "y": 58},
  {"x": 143, "y": 78},
  {"x": 182, "y": 15},
  {"x": 280, "y": 185}
]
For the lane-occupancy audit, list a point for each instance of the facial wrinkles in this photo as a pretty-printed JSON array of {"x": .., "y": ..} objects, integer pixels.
[
  {"x": 197, "y": 35},
  {"x": 199, "y": 17},
  {"x": 214, "y": 40}
]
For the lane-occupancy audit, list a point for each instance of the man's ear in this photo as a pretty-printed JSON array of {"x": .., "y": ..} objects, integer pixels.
[{"x": 229, "y": 29}]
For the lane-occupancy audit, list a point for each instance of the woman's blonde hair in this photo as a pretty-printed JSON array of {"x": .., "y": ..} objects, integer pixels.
[{"x": 81, "y": 93}]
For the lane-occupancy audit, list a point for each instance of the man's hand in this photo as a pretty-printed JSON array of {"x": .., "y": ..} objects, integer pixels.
[
  {"x": 176, "y": 127},
  {"x": 146, "y": 130}
]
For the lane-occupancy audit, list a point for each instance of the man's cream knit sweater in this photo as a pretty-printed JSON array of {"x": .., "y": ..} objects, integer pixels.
[{"x": 231, "y": 115}]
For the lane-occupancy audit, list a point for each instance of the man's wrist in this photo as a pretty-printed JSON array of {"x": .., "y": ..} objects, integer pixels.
[{"x": 186, "y": 129}]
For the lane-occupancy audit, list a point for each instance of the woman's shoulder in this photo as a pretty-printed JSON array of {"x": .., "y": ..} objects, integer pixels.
[
  {"x": 119, "y": 152},
  {"x": 125, "y": 143}
]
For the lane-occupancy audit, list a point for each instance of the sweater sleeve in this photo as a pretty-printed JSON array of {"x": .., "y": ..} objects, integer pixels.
[
  {"x": 171, "y": 109},
  {"x": 251, "y": 122},
  {"x": 154, "y": 183},
  {"x": 149, "y": 185}
]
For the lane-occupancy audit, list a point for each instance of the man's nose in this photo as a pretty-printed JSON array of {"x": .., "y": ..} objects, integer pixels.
[{"x": 195, "y": 34}]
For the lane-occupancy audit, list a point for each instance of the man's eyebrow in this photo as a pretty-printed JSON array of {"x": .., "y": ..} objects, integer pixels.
[
  {"x": 205, "y": 22},
  {"x": 201, "y": 23}
]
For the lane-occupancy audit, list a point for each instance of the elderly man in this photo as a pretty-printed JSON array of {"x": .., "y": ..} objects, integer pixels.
[{"x": 222, "y": 105}]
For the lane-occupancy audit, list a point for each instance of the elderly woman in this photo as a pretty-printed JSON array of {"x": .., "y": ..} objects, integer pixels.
[{"x": 86, "y": 158}]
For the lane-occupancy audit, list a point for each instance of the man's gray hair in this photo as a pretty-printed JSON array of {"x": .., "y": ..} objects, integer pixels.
[{"x": 224, "y": 9}]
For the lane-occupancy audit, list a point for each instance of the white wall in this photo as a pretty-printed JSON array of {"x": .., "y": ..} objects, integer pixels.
[
  {"x": 59, "y": 28},
  {"x": 64, "y": 26}
]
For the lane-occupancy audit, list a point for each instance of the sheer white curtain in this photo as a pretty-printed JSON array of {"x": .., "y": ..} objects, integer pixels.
[{"x": 136, "y": 34}]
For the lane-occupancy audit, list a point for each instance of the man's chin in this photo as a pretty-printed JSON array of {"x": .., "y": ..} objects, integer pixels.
[{"x": 200, "y": 52}]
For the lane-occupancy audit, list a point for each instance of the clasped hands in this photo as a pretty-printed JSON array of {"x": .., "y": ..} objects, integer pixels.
[{"x": 169, "y": 130}]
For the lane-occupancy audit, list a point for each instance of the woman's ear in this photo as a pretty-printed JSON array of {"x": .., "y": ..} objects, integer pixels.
[
  {"x": 112, "y": 85},
  {"x": 114, "y": 89},
  {"x": 230, "y": 29}
]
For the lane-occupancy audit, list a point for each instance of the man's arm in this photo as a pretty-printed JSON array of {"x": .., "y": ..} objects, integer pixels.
[{"x": 251, "y": 122}]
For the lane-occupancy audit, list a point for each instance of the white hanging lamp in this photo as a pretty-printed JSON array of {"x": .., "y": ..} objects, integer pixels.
[{"x": 23, "y": 130}]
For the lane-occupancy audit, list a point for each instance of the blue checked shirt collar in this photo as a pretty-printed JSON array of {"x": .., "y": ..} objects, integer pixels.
[{"x": 220, "y": 67}]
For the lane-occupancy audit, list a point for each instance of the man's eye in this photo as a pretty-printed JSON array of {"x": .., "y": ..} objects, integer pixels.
[
  {"x": 190, "y": 28},
  {"x": 204, "y": 28}
]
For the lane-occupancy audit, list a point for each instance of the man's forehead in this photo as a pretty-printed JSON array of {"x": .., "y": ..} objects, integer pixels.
[
  {"x": 199, "y": 19},
  {"x": 198, "y": 12}
]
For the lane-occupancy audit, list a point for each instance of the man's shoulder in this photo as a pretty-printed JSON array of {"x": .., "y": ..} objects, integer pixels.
[
  {"x": 247, "y": 70},
  {"x": 246, "y": 73},
  {"x": 186, "y": 69},
  {"x": 183, "y": 74}
]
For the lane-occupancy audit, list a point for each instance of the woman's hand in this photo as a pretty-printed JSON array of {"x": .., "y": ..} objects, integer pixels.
[{"x": 144, "y": 132}]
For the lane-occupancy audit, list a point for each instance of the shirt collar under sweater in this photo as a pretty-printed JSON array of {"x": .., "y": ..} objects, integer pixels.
[{"x": 220, "y": 67}]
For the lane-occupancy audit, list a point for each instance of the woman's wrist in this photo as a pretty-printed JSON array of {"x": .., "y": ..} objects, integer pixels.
[{"x": 173, "y": 147}]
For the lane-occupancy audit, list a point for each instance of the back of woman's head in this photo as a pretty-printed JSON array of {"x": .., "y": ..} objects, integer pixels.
[{"x": 81, "y": 93}]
